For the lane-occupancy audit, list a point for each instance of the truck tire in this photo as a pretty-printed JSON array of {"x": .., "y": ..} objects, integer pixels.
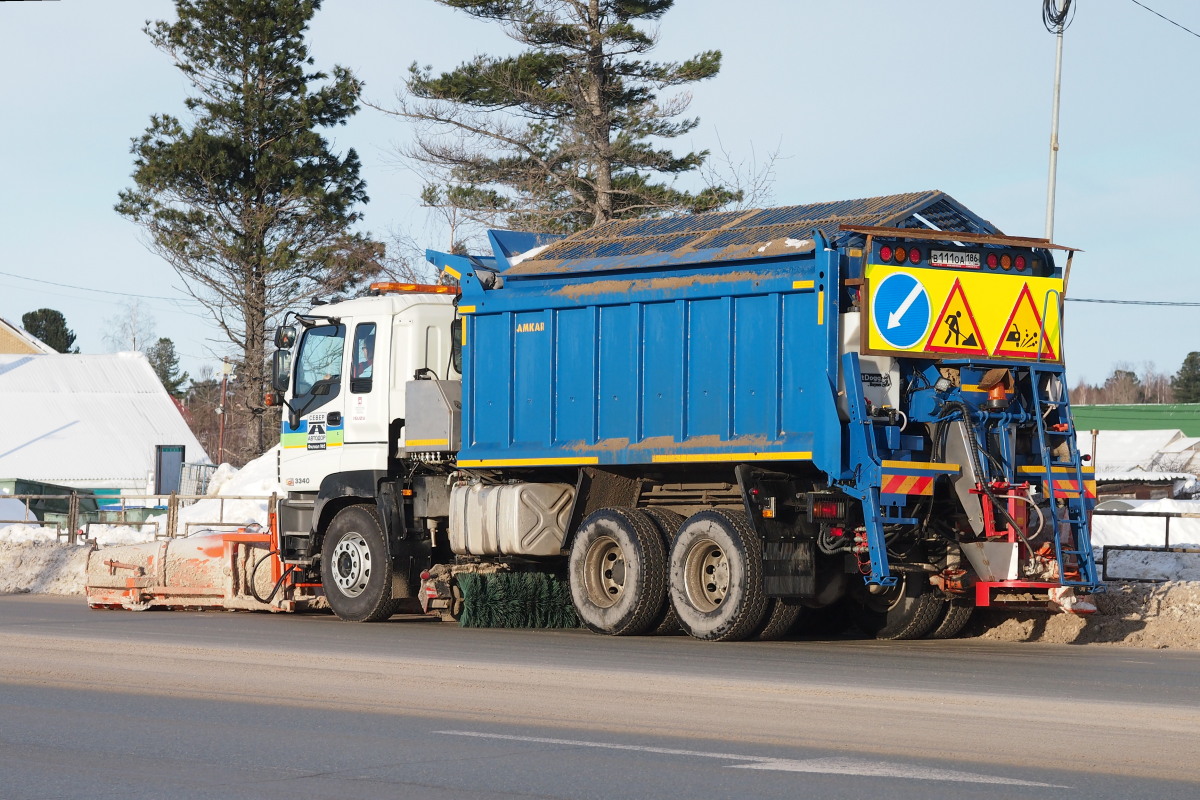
[
  {"x": 952, "y": 621},
  {"x": 617, "y": 572},
  {"x": 356, "y": 569},
  {"x": 668, "y": 524},
  {"x": 716, "y": 576},
  {"x": 908, "y": 610},
  {"x": 778, "y": 620}
]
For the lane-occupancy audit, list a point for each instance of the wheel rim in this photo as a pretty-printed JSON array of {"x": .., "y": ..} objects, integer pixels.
[
  {"x": 604, "y": 572},
  {"x": 706, "y": 575},
  {"x": 352, "y": 564}
]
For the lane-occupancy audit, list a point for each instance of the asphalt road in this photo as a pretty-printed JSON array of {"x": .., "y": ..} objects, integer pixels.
[{"x": 97, "y": 704}]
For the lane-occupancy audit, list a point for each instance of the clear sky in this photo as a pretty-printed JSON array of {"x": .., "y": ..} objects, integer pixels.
[{"x": 859, "y": 98}]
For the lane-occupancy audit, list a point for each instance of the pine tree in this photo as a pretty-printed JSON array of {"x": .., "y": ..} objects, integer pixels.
[
  {"x": 248, "y": 202},
  {"x": 51, "y": 327},
  {"x": 561, "y": 136},
  {"x": 165, "y": 364},
  {"x": 1186, "y": 383}
]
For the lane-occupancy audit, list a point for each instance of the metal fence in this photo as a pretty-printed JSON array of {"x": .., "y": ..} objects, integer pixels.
[
  {"x": 1166, "y": 546},
  {"x": 194, "y": 478},
  {"x": 161, "y": 512}
]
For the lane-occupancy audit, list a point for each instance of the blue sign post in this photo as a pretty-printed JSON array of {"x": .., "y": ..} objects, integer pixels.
[{"x": 900, "y": 311}]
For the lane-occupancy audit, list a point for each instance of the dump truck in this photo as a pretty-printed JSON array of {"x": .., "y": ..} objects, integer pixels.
[{"x": 725, "y": 423}]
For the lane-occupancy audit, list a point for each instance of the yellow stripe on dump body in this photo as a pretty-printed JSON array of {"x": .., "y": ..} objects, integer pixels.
[
  {"x": 925, "y": 465},
  {"x": 676, "y": 458},
  {"x": 529, "y": 462}
]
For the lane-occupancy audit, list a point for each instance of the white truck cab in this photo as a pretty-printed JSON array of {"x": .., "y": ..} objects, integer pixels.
[{"x": 352, "y": 361}]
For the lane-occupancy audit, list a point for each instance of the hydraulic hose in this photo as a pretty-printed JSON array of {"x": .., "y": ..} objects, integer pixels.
[
  {"x": 965, "y": 412},
  {"x": 278, "y": 583}
]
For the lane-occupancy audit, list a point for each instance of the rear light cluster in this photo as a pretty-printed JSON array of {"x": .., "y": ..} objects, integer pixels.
[
  {"x": 899, "y": 254},
  {"x": 1006, "y": 261},
  {"x": 825, "y": 508}
]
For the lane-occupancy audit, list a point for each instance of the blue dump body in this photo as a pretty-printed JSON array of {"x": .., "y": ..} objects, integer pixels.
[{"x": 671, "y": 362}]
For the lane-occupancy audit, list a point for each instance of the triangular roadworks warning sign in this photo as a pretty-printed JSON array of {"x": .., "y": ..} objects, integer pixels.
[
  {"x": 1024, "y": 335},
  {"x": 955, "y": 329}
]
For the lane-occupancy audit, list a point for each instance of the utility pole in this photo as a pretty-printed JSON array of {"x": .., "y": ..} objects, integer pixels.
[
  {"x": 1054, "y": 15},
  {"x": 225, "y": 370}
]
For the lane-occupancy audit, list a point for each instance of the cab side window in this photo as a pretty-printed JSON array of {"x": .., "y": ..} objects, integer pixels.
[
  {"x": 362, "y": 358},
  {"x": 319, "y": 365}
]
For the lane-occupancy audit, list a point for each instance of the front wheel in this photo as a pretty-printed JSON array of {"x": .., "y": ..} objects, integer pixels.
[{"x": 356, "y": 570}]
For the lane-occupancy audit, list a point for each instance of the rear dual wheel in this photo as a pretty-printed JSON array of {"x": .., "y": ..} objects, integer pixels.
[
  {"x": 716, "y": 580},
  {"x": 617, "y": 572},
  {"x": 908, "y": 610},
  {"x": 951, "y": 622}
]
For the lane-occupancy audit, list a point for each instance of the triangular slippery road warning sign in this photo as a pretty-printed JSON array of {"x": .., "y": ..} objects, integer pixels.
[
  {"x": 1024, "y": 335},
  {"x": 955, "y": 329}
]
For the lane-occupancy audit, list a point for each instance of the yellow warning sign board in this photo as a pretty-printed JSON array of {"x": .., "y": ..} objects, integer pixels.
[
  {"x": 927, "y": 312},
  {"x": 1023, "y": 335},
  {"x": 954, "y": 328}
]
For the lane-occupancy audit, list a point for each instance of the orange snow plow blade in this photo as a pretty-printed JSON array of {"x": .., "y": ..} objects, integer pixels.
[{"x": 237, "y": 570}]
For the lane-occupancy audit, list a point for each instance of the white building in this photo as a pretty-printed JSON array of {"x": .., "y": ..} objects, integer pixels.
[{"x": 88, "y": 421}]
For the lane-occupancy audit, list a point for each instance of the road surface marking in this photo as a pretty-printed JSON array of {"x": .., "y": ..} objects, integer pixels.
[{"x": 829, "y": 766}]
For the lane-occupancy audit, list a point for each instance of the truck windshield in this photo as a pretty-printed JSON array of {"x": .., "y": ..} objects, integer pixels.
[{"x": 320, "y": 358}]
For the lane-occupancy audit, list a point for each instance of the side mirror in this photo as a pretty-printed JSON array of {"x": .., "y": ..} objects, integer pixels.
[
  {"x": 456, "y": 345},
  {"x": 285, "y": 337},
  {"x": 281, "y": 369}
]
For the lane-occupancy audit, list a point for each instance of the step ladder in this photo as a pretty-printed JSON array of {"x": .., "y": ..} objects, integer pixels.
[{"x": 1062, "y": 472}]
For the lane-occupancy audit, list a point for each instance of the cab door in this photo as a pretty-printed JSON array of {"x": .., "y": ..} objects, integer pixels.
[
  {"x": 312, "y": 449},
  {"x": 366, "y": 402}
]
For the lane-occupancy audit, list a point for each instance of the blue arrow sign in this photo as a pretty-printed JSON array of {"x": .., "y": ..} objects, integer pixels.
[{"x": 900, "y": 310}]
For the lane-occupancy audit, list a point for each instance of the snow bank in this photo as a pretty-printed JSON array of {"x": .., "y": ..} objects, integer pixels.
[{"x": 1128, "y": 529}]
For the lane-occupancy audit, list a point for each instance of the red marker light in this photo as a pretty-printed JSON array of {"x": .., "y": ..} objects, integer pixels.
[
  {"x": 826, "y": 509},
  {"x": 885, "y": 253},
  {"x": 1020, "y": 263},
  {"x": 992, "y": 261},
  {"x": 914, "y": 256}
]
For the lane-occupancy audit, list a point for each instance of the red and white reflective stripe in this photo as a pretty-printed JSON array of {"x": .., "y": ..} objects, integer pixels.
[{"x": 907, "y": 484}]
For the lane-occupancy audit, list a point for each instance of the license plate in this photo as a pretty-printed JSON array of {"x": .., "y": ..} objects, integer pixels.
[{"x": 954, "y": 258}]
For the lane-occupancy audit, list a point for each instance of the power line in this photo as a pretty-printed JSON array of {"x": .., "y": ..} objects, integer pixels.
[
  {"x": 1168, "y": 19},
  {"x": 102, "y": 291},
  {"x": 1132, "y": 302}
]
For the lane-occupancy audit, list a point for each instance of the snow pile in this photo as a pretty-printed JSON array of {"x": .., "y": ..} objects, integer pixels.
[
  {"x": 41, "y": 567},
  {"x": 1128, "y": 529},
  {"x": 1148, "y": 565}
]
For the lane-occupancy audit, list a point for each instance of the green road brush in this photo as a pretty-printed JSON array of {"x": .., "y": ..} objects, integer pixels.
[{"x": 516, "y": 600}]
